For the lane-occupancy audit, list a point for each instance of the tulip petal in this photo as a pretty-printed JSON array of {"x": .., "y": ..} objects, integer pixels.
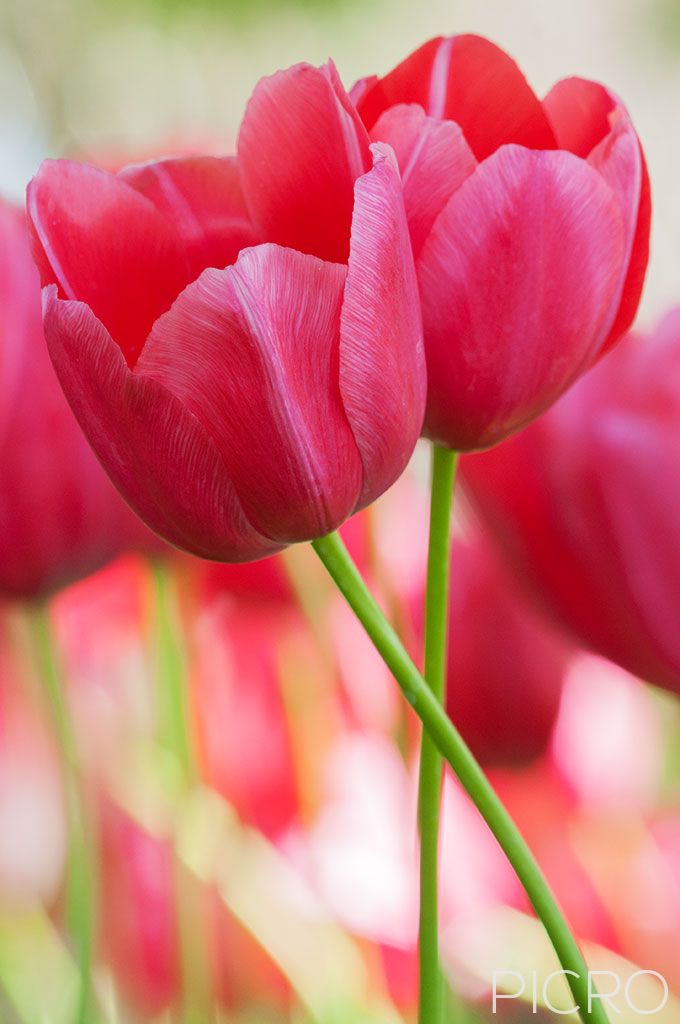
[
  {"x": 156, "y": 452},
  {"x": 300, "y": 149},
  {"x": 620, "y": 161},
  {"x": 252, "y": 352},
  {"x": 202, "y": 197},
  {"x": 434, "y": 160},
  {"x": 382, "y": 367},
  {"x": 517, "y": 280},
  {"x": 589, "y": 121},
  {"x": 578, "y": 111},
  {"x": 469, "y": 80},
  {"x": 102, "y": 243},
  {"x": 19, "y": 308}
]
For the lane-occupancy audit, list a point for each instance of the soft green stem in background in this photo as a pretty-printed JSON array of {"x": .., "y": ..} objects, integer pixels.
[
  {"x": 430, "y": 1000},
  {"x": 80, "y": 878},
  {"x": 451, "y": 745},
  {"x": 176, "y": 729},
  {"x": 172, "y": 695}
]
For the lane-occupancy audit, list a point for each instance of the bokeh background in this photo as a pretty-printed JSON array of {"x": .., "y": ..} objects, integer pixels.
[{"x": 246, "y": 767}]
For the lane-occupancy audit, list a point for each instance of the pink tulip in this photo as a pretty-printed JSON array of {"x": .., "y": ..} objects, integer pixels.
[
  {"x": 585, "y": 505},
  {"x": 60, "y": 518},
  {"x": 530, "y": 225},
  {"x": 506, "y": 664},
  {"x": 240, "y": 339}
]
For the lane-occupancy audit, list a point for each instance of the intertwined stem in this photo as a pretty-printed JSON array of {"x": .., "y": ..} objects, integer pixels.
[{"x": 455, "y": 751}]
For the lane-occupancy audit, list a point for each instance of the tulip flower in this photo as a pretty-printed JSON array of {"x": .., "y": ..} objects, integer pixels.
[
  {"x": 530, "y": 225},
  {"x": 584, "y": 505},
  {"x": 506, "y": 665},
  {"x": 60, "y": 518},
  {"x": 240, "y": 339}
]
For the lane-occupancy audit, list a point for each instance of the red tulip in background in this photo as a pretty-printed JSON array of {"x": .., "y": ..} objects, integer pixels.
[
  {"x": 506, "y": 666},
  {"x": 246, "y": 747},
  {"x": 584, "y": 504},
  {"x": 141, "y": 934},
  {"x": 241, "y": 395},
  {"x": 139, "y": 931},
  {"x": 530, "y": 227},
  {"x": 60, "y": 518}
]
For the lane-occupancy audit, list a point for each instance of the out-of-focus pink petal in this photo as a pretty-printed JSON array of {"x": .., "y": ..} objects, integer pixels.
[
  {"x": 300, "y": 149},
  {"x": 243, "y": 731},
  {"x": 202, "y": 197},
  {"x": 517, "y": 280},
  {"x": 60, "y": 516},
  {"x": 252, "y": 352},
  {"x": 382, "y": 365},
  {"x": 103, "y": 243},
  {"x": 138, "y": 922},
  {"x": 583, "y": 504},
  {"x": 505, "y": 684},
  {"x": 434, "y": 160},
  {"x": 156, "y": 452},
  {"x": 466, "y": 79}
]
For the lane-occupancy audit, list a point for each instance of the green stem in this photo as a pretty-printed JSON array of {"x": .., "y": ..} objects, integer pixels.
[
  {"x": 444, "y": 461},
  {"x": 80, "y": 877},
  {"x": 451, "y": 745}
]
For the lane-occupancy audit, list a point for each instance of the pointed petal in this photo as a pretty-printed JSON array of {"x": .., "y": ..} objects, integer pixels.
[
  {"x": 434, "y": 160},
  {"x": 517, "y": 280},
  {"x": 408, "y": 82},
  {"x": 202, "y": 197},
  {"x": 300, "y": 149},
  {"x": 252, "y": 351},
  {"x": 104, "y": 244},
  {"x": 382, "y": 368},
  {"x": 578, "y": 111},
  {"x": 361, "y": 87},
  {"x": 620, "y": 161},
  {"x": 469, "y": 80},
  {"x": 590, "y": 121},
  {"x": 154, "y": 450}
]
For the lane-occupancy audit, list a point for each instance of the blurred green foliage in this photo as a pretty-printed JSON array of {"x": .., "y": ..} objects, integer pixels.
[{"x": 235, "y": 11}]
